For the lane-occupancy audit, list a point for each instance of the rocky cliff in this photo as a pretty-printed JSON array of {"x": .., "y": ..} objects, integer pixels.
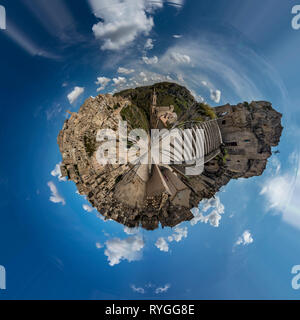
[{"x": 120, "y": 192}]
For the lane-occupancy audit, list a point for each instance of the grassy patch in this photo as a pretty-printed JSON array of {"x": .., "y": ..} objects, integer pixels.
[
  {"x": 89, "y": 145},
  {"x": 136, "y": 117}
]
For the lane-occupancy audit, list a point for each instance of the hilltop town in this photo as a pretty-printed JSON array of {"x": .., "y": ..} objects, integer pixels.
[{"x": 238, "y": 142}]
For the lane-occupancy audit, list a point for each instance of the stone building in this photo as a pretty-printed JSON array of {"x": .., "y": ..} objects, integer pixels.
[{"x": 161, "y": 116}]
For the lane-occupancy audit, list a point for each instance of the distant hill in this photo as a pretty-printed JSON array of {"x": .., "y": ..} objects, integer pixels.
[{"x": 185, "y": 105}]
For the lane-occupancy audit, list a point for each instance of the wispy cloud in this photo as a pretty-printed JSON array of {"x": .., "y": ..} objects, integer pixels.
[
  {"x": 28, "y": 45},
  {"x": 137, "y": 289},
  {"x": 163, "y": 289},
  {"x": 152, "y": 287},
  {"x": 55, "y": 17},
  {"x": 180, "y": 58},
  {"x": 55, "y": 196},
  {"x": 235, "y": 72},
  {"x": 125, "y": 70},
  {"x": 281, "y": 191}
]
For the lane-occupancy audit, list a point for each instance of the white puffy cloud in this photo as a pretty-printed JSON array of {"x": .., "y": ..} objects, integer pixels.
[
  {"x": 162, "y": 289},
  {"x": 152, "y": 60},
  {"x": 215, "y": 95},
  {"x": 55, "y": 196},
  {"x": 99, "y": 245},
  {"x": 102, "y": 82},
  {"x": 125, "y": 70},
  {"x": 131, "y": 231},
  {"x": 245, "y": 239},
  {"x": 177, "y": 36},
  {"x": 57, "y": 173},
  {"x": 143, "y": 76},
  {"x": 221, "y": 69},
  {"x": 74, "y": 95},
  {"x": 216, "y": 209},
  {"x": 149, "y": 44},
  {"x": 179, "y": 234},
  {"x": 180, "y": 58},
  {"x": 129, "y": 249},
  {"x": 88, "y": 208},
  {"x": 119, "y": 81},
  {"x": 122, "y": 21},
  {"x": 137, "y": 289},
  {"x": 162, "y": 244}
]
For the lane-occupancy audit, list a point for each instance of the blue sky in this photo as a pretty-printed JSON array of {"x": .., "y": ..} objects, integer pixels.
[{"x": 224, "y": 51}]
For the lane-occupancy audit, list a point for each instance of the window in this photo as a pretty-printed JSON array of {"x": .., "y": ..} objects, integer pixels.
[{"x": 231, "y": 144}]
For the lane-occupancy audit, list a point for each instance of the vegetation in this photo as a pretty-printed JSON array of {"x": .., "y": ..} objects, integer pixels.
[
  {"x": 167, "y": 94},
  {"x": 135, "y": 117},
  {"x": 118, "y": 179},
  {"x": 185, "y": 105},
  {"x": 116, "y": 106},
  {"x": 225, "y": 155},
  {"x": 89, "y": 145},
  {"x": 206, "y": 110}
]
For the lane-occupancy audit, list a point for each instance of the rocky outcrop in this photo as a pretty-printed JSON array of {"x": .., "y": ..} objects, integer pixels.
[
  {"x": 248, "y": 132},
  {"x": 119, "y": 192}
]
